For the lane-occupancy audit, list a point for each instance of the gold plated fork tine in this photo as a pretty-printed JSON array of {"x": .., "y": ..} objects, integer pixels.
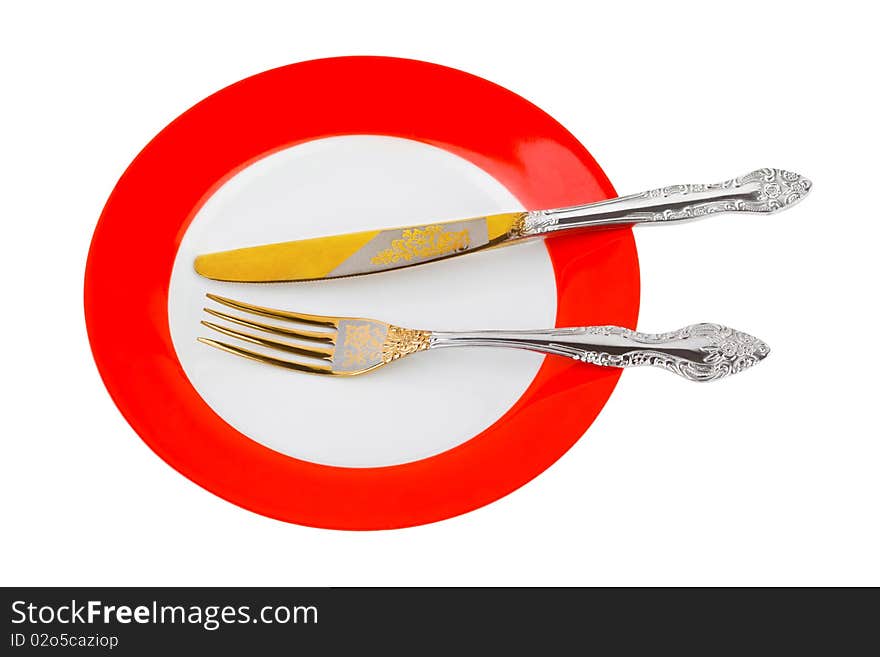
[
  {"x": 323, "y": 353},
  {"x": 318, "y": 320},
  {"x": 356, "y": 346},
  {"x": 269, "y": 360},
  {"x": 316, "y": 336}
]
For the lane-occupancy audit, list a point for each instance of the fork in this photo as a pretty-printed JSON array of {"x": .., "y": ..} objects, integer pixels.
[{"x": 346, "y": 346}]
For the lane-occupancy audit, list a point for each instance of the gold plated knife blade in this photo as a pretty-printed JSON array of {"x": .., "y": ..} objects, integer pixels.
[{"x": 358, "y": 253}]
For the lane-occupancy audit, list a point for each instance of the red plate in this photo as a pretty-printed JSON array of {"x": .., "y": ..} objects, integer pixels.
[{"x": 146, "y": 216}]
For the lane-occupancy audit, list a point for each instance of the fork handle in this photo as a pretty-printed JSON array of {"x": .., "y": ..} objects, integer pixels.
[
  {"x": 763, "y": 190},
  {"x": 699, "y": 352}
]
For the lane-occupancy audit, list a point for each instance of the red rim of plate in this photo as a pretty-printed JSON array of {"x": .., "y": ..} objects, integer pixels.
[{"x": 146, "y": 216}]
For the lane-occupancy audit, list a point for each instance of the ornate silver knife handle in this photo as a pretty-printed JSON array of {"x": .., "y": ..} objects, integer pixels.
[
  {"x": 764, "y": 190},
  {"x": 700, "y": 352}
]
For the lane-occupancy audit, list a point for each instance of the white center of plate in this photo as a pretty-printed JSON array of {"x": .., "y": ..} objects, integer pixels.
[{"x": 414, "y": 408}]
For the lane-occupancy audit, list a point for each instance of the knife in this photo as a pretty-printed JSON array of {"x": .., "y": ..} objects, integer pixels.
[{"x": 372, "y": 251}]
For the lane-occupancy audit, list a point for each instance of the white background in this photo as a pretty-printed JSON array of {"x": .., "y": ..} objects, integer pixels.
[{"x": 767, "y": 478}]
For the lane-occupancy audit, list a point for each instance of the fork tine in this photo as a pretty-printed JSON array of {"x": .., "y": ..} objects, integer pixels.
[
  {"x": 318, "y": 320},
  {"x": 323, "y": 353},
  {"x": 317, "y": 336},
  {"x": 262, "y": 358}
]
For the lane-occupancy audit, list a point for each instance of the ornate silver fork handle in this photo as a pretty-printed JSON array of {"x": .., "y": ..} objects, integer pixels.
[
  {"x": 700, "y": 352},
  {"x": 764, "y": 190}
]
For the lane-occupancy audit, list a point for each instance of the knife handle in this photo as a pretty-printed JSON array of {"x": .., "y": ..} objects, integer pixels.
[
  {"x": 699, "y": 352},
  {"x": 763, "y": 190}
]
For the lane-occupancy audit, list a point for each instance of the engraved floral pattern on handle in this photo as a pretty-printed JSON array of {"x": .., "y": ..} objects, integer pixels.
[
  {"x": 724, "y": 351},
  {"x": 778, "y": 189},
  {"x": 534, "y": 222},
  {"x": 401, "y": 342},
  {"x": 763, "y": 191}
]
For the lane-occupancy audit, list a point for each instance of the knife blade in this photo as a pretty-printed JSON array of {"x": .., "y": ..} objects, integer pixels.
[
  {"x": 357, "y": 253},
  {"x": 368, "y": 252}
]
